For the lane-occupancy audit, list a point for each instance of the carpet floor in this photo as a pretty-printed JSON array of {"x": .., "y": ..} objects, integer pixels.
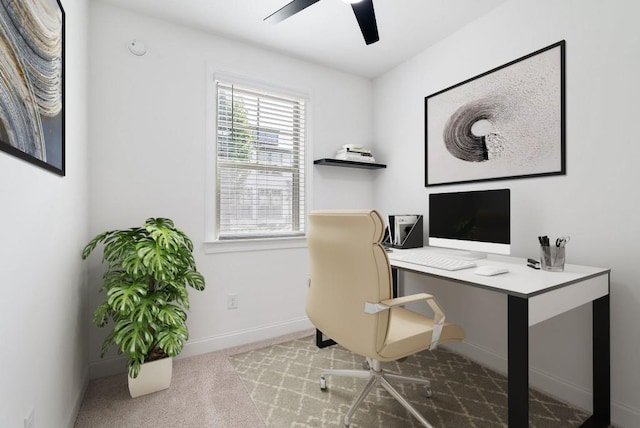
[
  {"x": 275, "y": 384},
  {"x": 205, "y": 392},
  {"x": 283, "y": 382}
]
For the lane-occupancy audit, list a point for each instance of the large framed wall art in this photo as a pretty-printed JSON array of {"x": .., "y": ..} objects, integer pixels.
[
  {"x": 506, "y": 123},
  {"x": 32, "y": 82}
]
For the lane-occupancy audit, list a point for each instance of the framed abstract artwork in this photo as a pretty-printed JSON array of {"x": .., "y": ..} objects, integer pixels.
[
  {"x": 506, "y": 123},
  {"x": 32, "y": 82}
]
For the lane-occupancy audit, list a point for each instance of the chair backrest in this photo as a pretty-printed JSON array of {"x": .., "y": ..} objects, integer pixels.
[{"x": 349, "y": 267}]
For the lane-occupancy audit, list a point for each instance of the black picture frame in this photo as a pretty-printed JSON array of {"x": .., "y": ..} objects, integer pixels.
[
  {"x": 506, "y": 123},
  {"x": 32, "y": 118}
]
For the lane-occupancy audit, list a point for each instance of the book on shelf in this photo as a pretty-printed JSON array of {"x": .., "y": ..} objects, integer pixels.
[
  {"x": 355, "y": 157},
  {"x": 354, "y": 153},
  {"x": 353, "y": 149}
]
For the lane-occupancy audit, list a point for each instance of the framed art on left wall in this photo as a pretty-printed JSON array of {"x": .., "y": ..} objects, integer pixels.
[{"x": 32, "y": 82}]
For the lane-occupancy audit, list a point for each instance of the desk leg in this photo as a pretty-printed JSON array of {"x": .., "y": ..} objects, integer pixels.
[
  {"x": 321, "y": 342},
  {"x": 601, "y": 363},
  {"x": 395, "y": 282},
  {"x": 518, "y": 362}
]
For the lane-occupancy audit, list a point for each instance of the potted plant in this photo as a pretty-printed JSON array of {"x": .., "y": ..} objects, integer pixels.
[{"x": 148, "y": 271}]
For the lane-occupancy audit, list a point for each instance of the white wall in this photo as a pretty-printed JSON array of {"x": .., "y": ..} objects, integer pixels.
[
  {"x": 147, "y": 159},
  {"x": 44, "y": 221},
  {"x": 595, "y": 203}
]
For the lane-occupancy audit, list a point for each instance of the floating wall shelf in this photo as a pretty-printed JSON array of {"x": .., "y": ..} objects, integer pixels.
[{"x": 348, "y": 164}]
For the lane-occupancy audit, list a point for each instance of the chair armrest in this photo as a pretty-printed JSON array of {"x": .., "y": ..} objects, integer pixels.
[
  {"x": 406, "y": 299},
  {"x": 438, "y": 313}
]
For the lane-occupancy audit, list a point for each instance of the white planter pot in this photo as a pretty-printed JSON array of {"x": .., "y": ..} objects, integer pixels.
[{"x": 154, "y": 376}]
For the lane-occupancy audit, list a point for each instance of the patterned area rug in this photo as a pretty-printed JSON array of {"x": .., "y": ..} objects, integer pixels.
[{"x": 283, "y": 382}]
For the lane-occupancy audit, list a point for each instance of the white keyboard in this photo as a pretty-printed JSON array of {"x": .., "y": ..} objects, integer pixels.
[{"x": 433, "y": 260}]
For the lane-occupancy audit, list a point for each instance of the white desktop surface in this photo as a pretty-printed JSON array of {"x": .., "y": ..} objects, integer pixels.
[{"x": 521, "y": 280}]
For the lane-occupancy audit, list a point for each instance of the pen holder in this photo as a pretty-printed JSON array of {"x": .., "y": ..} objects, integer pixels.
[{"x": 552, "y": 258}]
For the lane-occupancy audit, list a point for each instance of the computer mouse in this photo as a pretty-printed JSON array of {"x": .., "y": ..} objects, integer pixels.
[{"x": 490, "y": 270}]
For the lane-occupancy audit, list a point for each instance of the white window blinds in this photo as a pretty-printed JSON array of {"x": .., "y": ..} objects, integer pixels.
[{"x": 260, "y": 163}]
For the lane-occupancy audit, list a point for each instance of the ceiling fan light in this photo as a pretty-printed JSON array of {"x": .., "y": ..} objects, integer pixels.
[{"x": 352, "y": 1}]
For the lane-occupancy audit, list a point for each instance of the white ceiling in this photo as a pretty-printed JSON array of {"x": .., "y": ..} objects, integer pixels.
[{"x": 327, "y": 32}]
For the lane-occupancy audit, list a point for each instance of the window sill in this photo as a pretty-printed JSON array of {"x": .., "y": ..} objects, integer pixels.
[{"x": 262, "y": 244}]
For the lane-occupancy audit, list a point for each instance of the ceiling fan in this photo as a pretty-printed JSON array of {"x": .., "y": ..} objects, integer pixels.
[{"x": 363, "y": 9}]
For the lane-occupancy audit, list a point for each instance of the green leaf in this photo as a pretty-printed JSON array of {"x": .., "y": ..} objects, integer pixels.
[
  {"x": 186, "y": 240},
  {"x": 146, "y": 311},
  {"x": 120, "y": 243},
  {"x": 102, "y": 315},
  {"x": 195, "y": 279},
  {"x": 176, "y": 291},
  {"x": 108, "y": 341},
  {"x": 125, "y": 297},
  {"x": 132, "y": 338},
  {"x": 113, "y": 278},
  {"x": 156, "y": 260},
  {"x": 163, "y": 232},
  {"x": 93, "y": 243},
  {"x": 134, "y": 364},
  {"x": 134, "y": 265},
  {"x": 158, "y": 223},
  {"x": 171, "y": 340},
  {"x": 171, "y": 315}
]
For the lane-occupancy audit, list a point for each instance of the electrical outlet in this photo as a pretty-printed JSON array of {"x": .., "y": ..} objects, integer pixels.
[
  {"x": 232, "y": 301},
  {"x": 29, "y": 421}
]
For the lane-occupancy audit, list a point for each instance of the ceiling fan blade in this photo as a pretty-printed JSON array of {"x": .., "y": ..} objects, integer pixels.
[
  {"x": 290, "y": 9},
  {"x": 367, "y": 20}
]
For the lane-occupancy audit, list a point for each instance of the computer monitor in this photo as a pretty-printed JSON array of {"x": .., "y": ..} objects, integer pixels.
[{"x": 478, "y": 222}]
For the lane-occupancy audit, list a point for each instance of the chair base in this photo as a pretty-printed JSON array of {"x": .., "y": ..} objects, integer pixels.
[{"x": 376, "y": 377}]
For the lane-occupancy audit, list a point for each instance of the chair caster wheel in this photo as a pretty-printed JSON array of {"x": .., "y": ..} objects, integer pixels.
[
  {"x": 323, "y": 383},
  {"x": 428, "y": 392}
]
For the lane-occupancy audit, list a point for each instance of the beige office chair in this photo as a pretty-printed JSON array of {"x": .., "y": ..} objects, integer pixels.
[{"x": 350, "y": 300}]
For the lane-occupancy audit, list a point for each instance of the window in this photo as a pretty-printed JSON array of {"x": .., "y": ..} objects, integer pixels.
[{"x": 260, "y": 146}]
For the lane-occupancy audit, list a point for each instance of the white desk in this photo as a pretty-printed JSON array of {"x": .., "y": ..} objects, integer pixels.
[{"x": 534, "y": 296}]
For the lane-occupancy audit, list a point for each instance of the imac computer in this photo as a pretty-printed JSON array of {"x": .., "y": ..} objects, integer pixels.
[{"x": 477, "y": 222}]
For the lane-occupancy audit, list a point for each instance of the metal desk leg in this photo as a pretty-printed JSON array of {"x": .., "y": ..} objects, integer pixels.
[
  {"x": 396, "y": 282},
  {"x": 321, "y": 342},
  {"x": 518, "y": 362},
  {"x": 601, "y": 365}
]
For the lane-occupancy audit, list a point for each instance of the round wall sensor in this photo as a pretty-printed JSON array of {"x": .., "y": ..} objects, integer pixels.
[{"x": 137, "y": 48}]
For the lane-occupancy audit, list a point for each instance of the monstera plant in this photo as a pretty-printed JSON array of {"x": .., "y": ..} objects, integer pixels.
[{"x": 148, "y": 271}]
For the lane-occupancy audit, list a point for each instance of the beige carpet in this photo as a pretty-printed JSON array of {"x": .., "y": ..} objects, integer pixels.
[
  {"x": 277, "y": 381},
  {"x": 283, "y": 382},
  {"x": 205, "y": 392}
]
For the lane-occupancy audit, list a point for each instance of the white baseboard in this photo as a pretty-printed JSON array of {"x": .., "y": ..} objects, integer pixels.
[
  {"x": 117, "y": 365},
  {"x": 623, "y": 416},
  {"x": 242, "y": 337}
]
